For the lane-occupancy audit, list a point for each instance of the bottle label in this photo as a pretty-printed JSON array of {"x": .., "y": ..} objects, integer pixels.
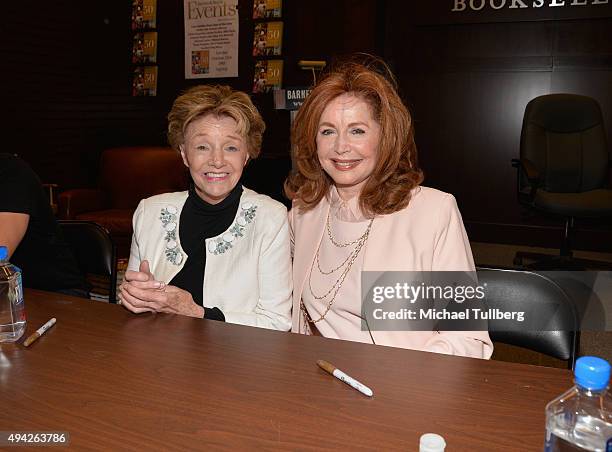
[{"x": 19, "y": 296}]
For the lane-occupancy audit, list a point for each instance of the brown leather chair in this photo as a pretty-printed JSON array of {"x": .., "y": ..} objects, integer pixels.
[{"x": 127, "y": 175}]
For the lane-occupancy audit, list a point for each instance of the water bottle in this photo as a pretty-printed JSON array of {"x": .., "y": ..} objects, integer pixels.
[
  {"x": 581, "y": 419},
  {"x": 12, "y": 310}
]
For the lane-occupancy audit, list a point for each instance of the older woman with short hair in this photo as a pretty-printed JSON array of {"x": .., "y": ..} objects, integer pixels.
[
  {"x": 358, "y": 205},
  {"x": 218, "y": 251}
]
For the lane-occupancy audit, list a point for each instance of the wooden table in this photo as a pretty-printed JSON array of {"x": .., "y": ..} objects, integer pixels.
[{"x": 115, "y": 380}]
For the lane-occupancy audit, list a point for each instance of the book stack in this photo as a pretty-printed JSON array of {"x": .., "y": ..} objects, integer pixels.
[
  {"x": 144, "y": 48},
  {"x": 267, "y": 42},
  {"x": 99, "y": 287}
]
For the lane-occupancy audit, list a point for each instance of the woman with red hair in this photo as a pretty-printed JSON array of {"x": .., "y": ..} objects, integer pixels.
[{"x": 358, "y": 205}]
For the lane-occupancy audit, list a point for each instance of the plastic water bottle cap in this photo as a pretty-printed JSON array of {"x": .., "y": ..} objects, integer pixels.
[
  {"x": 3, "y": 253},
  {"x": 592, "y": 373},
  {"x": 431, "y": 442}
]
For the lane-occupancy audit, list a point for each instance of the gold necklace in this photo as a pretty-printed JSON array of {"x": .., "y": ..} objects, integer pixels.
[
  {"x": 331, "y": 238},
  {"x": 340, "y": 245},
  {"x": 359, "y": 243},
  {"x": 343, "y": 245},
  {"x": 323, "y": 272}
]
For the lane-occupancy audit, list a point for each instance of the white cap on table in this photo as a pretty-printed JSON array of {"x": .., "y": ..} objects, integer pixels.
[{"x": 431, "y": 442}]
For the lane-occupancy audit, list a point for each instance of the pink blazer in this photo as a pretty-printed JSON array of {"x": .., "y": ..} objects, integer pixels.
[{"x": 428, "y": 235}]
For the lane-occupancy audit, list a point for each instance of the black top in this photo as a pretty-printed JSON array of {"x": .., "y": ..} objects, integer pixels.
[
  {"x": 44, "y": 258},
  {"x": 200, "y": 221}
]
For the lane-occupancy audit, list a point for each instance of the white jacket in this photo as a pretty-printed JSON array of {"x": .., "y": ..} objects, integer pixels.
[{"x": 248, "y": 267}]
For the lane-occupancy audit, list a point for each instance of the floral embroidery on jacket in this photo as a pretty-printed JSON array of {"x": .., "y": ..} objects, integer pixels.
[
  {"x": 168, "y": 219},
  {"x": 221, "y": 244}
]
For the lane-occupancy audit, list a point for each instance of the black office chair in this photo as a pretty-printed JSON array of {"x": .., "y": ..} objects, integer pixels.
[
  {"x": 544, "y": 301},
  {"x": 94, "y": 250},
  {"x": 563, "y": 168}
]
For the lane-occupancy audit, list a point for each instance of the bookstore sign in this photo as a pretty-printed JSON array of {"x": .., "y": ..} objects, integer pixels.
[
  {"x": 479, "y": 5},
  {"x": 419, "y": 12},
  {"x": 290, "y": 98}
]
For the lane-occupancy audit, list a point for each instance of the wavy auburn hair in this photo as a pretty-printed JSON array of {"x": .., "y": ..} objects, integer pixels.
[
  {"x": 396, "y": 172},
  {"x": 218, "y": 100}
]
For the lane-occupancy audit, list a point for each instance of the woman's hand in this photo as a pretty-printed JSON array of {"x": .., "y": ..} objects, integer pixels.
[
  {"x": 143, "y": 279},
  {"x": 143, "y": 275},
  {"x": 140, "y": 292}
]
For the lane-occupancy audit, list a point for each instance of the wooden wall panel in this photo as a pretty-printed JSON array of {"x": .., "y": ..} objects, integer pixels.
[
  {"x": 69, "y": 77},
  {"x": 467, "y": 79},
  {"x": 468, "y": 82}
]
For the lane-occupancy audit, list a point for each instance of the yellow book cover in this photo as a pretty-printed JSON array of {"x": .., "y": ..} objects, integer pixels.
[
  {"x": 268, "y": 39},
  {"x": 268, "y": 75},
  {"x": 144, "y": 82},
  {"x": 144, "y": 14},
  {"x": 267, "y": 9},
  {"x": 144, "y": 49}
]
